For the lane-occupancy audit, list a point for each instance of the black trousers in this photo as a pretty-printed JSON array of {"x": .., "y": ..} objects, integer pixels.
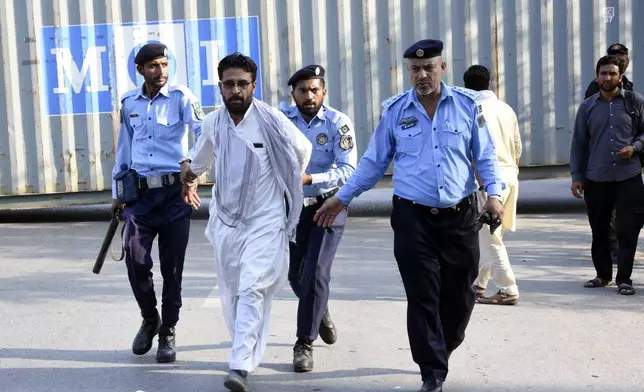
[
  {"x": 162, "y": 212},
  {"x": 626, "y": 197},
  {"x": 309, "y": 274},
  {"x": 438, "y": 259}
]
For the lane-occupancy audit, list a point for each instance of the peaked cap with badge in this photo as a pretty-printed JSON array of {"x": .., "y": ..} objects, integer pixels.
[
  {"x": 149, "y": 52},
  {"x": 313, "y": 71},
  {"x": 424, "y": 49}
]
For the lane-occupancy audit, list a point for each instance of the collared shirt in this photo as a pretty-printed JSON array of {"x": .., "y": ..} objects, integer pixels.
[
  {"x": 433, "y": 158},
  {"x": 335, "y": 156},
  {"x": 503, "y": 125},
  {"x": 151, "y": 135},
  {"x": 602, "y": 128}
]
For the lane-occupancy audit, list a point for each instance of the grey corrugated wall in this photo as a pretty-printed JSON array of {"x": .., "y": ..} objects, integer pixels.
[{"x": 542, "y": 53}]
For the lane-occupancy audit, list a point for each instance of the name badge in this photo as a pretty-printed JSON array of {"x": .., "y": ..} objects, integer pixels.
[{"x": 408, "y": 122}]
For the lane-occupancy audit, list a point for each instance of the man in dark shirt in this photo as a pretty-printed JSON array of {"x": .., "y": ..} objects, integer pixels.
[
  {"x": 620, "y": 51},
  {"x": 606, "y": 173}
]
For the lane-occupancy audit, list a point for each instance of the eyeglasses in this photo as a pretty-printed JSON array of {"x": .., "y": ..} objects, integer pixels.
[{"x": 229, "y": 85}]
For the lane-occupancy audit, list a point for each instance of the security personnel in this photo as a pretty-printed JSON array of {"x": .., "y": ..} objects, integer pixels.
[
  {"x": 434, "y": 133},
  {"x": 150, "y": 145},
  {"x": 333, "y": 160}
]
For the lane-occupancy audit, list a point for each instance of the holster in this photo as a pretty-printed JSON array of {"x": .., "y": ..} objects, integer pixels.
[{"x": 127, "y": 186}]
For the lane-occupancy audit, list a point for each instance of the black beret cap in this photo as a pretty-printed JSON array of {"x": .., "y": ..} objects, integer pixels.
[
  {"x": 150, "y": 52},
  {"x": 617, "y": 49},
  {"x": 424, "y": 49},
  {"x": 309, "y": 72}
]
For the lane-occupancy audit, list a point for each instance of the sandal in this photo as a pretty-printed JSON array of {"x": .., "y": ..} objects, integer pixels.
[
  {"x": 596, "y": 282},
  {"x": 626, "y": 289}
]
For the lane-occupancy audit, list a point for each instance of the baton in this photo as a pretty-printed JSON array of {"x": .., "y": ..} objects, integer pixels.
[{"x": 107, "y": 241}]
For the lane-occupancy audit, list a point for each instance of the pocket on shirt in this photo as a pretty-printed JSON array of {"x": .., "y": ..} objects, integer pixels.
[
  {"x": 451, "y": 137},
  {"x": 139, "y": 128},
  {"x": 408, "y": 140},
  {"x": 168, "y": 129},
  {"x": 323, "y": 155}
]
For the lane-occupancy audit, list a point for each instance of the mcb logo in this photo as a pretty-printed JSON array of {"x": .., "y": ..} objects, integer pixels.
[{"x": 88, "y": 68}]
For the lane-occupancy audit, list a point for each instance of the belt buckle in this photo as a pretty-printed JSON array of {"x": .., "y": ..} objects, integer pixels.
[
  {"x": 309, "y": 201},
  {"x": 153, "y": 182},
  {"x": 434, "y": 211}
]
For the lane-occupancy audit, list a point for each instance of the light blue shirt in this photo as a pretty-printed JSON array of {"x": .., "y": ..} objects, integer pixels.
[
  {"x": 433, "y": 159},
  {"x": 334, "y": 156},
  {"x": 150, "y": 139}
]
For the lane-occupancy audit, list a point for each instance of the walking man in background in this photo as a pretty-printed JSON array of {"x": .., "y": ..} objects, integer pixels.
[
  {"x": 620, "y": 51},
  {"x": 606, "y": 172},
  {"x": 150, "y": 147},
  {"x": 504, "y": 130},
  {"x": 333, "y": 161},
  {"x": 259, "y": 158},
  {"x": 433, "y": 132}
]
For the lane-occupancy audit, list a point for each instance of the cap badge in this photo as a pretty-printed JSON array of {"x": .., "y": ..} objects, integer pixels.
[
  {"x": 420, "y": 53},
  {"x": 317, "y": 70}
]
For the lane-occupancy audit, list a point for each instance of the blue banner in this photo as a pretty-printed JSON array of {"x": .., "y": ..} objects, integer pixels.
[{"x": 87, "y": 68}]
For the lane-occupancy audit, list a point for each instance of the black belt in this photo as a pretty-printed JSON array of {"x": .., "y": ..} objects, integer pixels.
[
  {"x": 162, "y": 181},
  {"x": 442, "y": 211}
]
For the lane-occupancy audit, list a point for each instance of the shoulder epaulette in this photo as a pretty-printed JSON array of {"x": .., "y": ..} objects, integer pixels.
[
  {"x": 130, "y": 93},
  {"x": 473, "y": 95},
  {"x": 178, "y": 87},
  {"x": 391, "y": 100}
]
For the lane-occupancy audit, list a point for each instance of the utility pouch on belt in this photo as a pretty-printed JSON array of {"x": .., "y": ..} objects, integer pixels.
[{"x": 127, "y": 185}]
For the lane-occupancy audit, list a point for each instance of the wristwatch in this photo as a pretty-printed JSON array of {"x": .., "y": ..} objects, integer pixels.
[{"x": 499, "y": 198}]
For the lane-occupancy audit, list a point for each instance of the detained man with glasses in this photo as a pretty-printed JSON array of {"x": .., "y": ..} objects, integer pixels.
[{"x": 259, "y": 158}]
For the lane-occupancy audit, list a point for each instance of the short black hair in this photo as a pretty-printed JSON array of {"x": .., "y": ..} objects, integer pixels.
[
  {"x": 611, "y": 60},
  {"x": 477, "y": 77},
  {"x": 237, "y": 60}
]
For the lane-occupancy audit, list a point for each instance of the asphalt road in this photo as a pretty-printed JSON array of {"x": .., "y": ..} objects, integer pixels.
[{"x": 65, "y": 329}]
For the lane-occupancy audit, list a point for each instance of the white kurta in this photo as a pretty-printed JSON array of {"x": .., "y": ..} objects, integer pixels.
[{"x": 251, "y": 260}]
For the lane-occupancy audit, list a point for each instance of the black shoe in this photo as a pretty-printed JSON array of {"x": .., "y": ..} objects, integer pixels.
[
  {"x": 303, "y": 356},
  {"x": 432, "y": 387},
  {"x": 327, "y": 331},
  {"x": 166, "y": 352},
  {"x": 236, "y": 381},
  {"x": 143, "y": 339}
]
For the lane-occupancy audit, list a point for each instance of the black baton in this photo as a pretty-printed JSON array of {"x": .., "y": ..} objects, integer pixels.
[{"x": 107, "y": 241}]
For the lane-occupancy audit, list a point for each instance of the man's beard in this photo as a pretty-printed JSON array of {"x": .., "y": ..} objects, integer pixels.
[
  {"x": 309, "y": 110},
  {"x": 156, "y": 82},
  {"x": 237, "y": 105},
  {"x": 609, "y": 86}
]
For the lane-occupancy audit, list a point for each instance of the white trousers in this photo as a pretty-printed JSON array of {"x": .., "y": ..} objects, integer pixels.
[{"x": 494, "y": 263}]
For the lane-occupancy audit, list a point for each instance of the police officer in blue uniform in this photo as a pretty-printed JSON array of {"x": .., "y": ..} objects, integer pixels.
[
  {"x": 333, "y": 161},
  {"x": 149, "y": 152},
  {"x": 433, "y": 132}
]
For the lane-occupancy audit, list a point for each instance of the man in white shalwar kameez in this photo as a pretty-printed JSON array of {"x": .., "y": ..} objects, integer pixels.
[{"x": 259, "y": 157}]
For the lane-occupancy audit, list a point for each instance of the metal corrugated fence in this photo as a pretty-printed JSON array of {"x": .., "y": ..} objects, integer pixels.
[{"x": 61, "y": 85}]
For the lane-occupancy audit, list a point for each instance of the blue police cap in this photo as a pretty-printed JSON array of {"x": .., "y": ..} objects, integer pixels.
[
  {"x": 150, "y": 52},
  {"x": 424, "y": 49},
  {"x": 313, "y": 71}
]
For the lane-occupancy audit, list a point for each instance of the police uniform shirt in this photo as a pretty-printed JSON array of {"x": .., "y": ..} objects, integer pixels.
[
  {"x": 432, "y": 158},
  {"x": 151, "y": 134},
  {"x": 334, "y": 156}
]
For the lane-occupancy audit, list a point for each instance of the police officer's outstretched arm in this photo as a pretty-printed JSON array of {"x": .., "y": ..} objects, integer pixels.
[
  {"x": 484, "y": 155},
  {"x": 371, "y": 168},
  {"x": 123, "y": 156},
  {"x": 191, "y": 112}
]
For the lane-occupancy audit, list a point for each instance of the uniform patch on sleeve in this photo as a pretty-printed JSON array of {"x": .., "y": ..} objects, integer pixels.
[
  {"x": 344, "y": 129},
  {"x": 480, "y": 108},
  {"x": 196, "y": 107},
  {"x": 481, "y": 121},
  {"x": 346, "y": 142}
]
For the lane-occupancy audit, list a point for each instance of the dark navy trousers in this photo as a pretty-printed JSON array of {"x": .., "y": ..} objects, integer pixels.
[
  {"x": 311, "y": 258},
  {"x": 437, "y": 252},
  {"x": 162, "y": 212}
]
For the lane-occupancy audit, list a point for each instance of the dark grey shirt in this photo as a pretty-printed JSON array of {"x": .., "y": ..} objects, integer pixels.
[{"x": 602, "y": 129}]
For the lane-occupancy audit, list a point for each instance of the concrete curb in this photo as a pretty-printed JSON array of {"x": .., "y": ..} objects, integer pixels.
[{"x": 374, "y": 203}]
